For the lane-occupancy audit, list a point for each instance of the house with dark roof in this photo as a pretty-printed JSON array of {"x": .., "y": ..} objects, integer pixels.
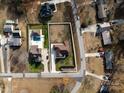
[
  {"x": 61, "y": 50},
  {"x": 46, "y": 11},
  {"x": 108, "y": 60},
  {"x": 104, "y": 89}
]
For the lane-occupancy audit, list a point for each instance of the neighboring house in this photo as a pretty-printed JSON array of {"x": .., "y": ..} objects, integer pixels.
[
  {"x": 108, "y": 60},
  {"x": 15, "y": 38},
  {"x": 106, "y": 37},
  {"x": 36, "y": 45},
  {"x": 8, "y": 28},
  {"x": 46, "y": 10},
  {"x": 61, "y": 51},
  {"x": 101, "y": 5},
  {"x": 12, "y": 33}
]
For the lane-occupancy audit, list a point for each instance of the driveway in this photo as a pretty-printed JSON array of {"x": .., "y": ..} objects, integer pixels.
[{"x": 44, "y": 54}]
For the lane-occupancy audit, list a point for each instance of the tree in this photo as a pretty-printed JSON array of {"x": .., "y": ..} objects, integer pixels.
[{"x": 59, "y": 89}]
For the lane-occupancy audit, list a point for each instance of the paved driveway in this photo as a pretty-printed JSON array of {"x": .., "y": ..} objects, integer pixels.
[{"x": 45, "y": 60}]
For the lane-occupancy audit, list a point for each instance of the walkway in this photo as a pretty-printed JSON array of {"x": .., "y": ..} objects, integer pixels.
[
  {"x": 53, "y": 64},
  {"x": 76, "y": 87},
  {"x": 94, "y": 75},
  {"x": 45, "y": 60},
  {"x": 92, "y": 55}
]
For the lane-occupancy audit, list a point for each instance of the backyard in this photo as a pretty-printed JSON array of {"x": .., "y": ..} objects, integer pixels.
[
  {"x": 63, "y": 13},
  {"x": 61, "y": 33}
]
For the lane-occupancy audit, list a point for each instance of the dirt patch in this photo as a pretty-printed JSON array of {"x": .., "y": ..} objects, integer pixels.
[
  {"x": 36, "y": 85},
  {"x": 86, "y": 11},
  {"x": 90, "y": 85},
  {"x": 63, "y": 14},
  {"x": 19, "y": 57},
  {"x": 59, "y": 33},
  {"x": 117, "y": 85},
  {"x": 3, "y": 16},
  {"x": 91, "y": 42},
  {"x": 95, "y": 65}
]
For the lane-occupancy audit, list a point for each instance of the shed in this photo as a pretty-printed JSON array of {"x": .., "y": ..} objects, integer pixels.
[
  {"x": 106, "y": 37},
  {"x": 15, "y": 38},
  {"x": 101, "y": 11}
]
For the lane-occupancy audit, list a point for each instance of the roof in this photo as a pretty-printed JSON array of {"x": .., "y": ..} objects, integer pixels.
[
  {"x": 8, "y": 28},
  {"x": 101, "y": 11},
  {"x": 101, "y": 1},
  {"x": 61, "y": 49},
  {"x": 15, "y": 38},
  {"x": 108, "y": 59},
  {"x": 16, "y": 34},
  {"x": 104, "y": 89},
  {"x": 35, "y": 50},
  {"x": 46, "y": 10},
  {"x": 14, "y": 41},
  {"x": 106, "y": 38}
]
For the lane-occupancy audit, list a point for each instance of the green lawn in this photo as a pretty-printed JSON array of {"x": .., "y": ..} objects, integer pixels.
[
  {"x": 35, "y": 68},
  {"x": 67, "y": 62},
  {"x": 35, "y": 26},
  {"x": 45, "y": 32}
]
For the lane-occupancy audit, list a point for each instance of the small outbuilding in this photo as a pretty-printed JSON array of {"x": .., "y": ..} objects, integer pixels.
[
  {"x": 15, "y": 38},
  {"x": 106, "y": 37},
  {"x": 101, "y": 6}
]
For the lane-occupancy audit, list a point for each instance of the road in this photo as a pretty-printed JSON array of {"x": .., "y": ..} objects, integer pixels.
[
  {"x": 40, "y": 75},
  {"x": 79, "y": 38},
  {"x": 81, "y": 46}
]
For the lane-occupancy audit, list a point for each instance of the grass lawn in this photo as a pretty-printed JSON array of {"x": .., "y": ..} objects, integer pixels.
[
  {"x": 35, "y": 26},
  {"x": 67, "y": 62},
  {"x": 45, "y": 32},
  {"x": 35, "y": 68}
]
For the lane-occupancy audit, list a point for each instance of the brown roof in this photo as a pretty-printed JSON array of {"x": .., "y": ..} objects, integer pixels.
[
  {"x": 35, "y": 50},
  {"x": 64, "y": 46}
]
